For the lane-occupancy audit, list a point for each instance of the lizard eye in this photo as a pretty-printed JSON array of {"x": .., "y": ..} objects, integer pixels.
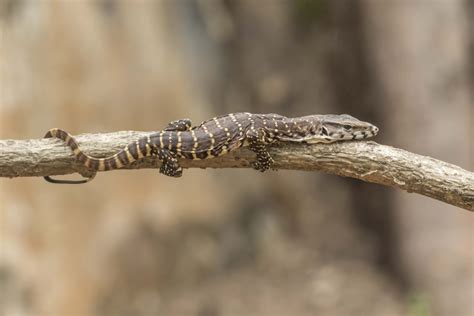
[
  {"x": 324, "y": 131},
  {"x": 347, "y": 127}
]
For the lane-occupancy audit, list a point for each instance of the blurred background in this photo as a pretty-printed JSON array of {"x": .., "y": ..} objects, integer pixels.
[{"x": 236, "y": 242}]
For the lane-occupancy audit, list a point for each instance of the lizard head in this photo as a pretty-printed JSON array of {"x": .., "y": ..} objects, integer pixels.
[{"x": 332, "y": 128}]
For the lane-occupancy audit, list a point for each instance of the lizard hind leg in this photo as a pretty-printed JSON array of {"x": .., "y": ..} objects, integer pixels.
[{"x": 181, "y": 125}]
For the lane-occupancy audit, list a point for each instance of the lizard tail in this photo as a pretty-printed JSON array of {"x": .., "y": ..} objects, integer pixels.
[{"x": 126, "y": 156}]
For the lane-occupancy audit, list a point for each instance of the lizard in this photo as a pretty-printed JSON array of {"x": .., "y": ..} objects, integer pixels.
[{"x": 218, "y": 136}]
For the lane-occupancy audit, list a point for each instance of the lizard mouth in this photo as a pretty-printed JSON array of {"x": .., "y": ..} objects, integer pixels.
[{"x": 363, "y": 134}]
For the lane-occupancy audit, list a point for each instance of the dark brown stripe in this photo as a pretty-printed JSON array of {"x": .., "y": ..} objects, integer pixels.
[
  {"x": 155, "y": 139},
  {"x": 113, "y": 163},
  {"x": 72, "y": 144},
  {"x": 81, "y": 157},
  {"x": 122, "y": 156},
  {"x": 174, "y": 141},
  {"x": 58, "y": 133},
  {"x": 61, "y": 134},
  {"x": 142, "y": 142},
  {"x": 94, "y": 164},
  {"x": 187, "y": 141},
  {"x": 132, "y": 149},
  {"x": 166, "y": 137},
  {"x": 107, "y": 164}
]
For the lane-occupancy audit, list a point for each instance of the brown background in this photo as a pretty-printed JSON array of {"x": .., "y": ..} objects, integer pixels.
[{"x": 236, "y": 242}]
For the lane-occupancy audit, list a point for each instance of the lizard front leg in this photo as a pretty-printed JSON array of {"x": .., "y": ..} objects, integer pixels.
[
  {"x": 258, "y": 144},
  {"x": 169, "y": 163}
]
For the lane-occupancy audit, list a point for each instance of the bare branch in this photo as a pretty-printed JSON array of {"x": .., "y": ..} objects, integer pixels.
[{"x": 367, "y": 161}]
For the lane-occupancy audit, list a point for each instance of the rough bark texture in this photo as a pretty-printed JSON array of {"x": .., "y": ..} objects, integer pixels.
[{"x": 367, "y": 161}]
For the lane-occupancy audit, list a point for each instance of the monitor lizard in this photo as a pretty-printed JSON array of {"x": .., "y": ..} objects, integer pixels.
[{"x": 220, "y": 135}]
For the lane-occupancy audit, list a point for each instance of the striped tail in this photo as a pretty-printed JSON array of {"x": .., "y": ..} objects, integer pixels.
[{"x": 126, "y": 156}]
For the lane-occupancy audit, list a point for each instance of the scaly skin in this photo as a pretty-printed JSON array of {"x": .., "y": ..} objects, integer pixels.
[{"x": 220, "y": 135}]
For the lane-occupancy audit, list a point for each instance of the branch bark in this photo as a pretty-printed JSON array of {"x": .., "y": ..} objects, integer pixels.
[{"x": 367, "y": 161}]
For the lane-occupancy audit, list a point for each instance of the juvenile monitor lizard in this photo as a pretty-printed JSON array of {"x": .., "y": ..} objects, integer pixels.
[{"x": 220, "y": 135}]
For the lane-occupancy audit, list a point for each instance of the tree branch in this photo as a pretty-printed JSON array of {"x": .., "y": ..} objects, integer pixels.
[{"x": 367, "y": 161}]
